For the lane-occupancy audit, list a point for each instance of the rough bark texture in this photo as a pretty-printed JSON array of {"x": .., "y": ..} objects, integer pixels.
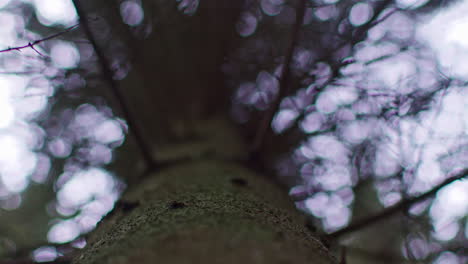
[{"x": 204, "y": 211}]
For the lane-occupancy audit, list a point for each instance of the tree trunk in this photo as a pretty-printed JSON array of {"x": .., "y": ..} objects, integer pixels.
[
  {"x": 204, "y": 211},
  {"x": 206, "y": 206}
]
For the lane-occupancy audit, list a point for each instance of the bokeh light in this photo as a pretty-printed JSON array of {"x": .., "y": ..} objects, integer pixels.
[
  {"x": 132, "y": 13},
  {"x": 360, "y": 14},
  {"x": 45, "y": 254},
  {"x": 65, "y": 55},
  {"x": 52, "y": 12}
]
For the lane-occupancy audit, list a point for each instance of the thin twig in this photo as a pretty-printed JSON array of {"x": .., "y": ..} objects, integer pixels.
[
  {"x": 108, "y": 75},
  {"x": 283, "y": 82},
  {"x": 36, "y": 42},
  {"x": 396, "y": 208}
]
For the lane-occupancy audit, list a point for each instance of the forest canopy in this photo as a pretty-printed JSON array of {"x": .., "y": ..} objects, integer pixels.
[{"x": 358, "y": 108}]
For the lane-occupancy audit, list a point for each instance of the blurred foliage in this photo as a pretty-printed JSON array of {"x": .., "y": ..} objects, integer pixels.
[{"x": 334, "y": 137}]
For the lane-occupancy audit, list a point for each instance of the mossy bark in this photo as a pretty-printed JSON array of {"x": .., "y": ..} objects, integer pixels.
[{"x": 204, "y": 211}]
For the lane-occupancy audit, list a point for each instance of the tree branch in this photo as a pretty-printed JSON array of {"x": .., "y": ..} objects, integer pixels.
[
  {"x": 402, "y": 205},
  {"x": 115, "y": 89},
  {"x": 36, "y": 42},
  {"x": 283, "y": 82}
]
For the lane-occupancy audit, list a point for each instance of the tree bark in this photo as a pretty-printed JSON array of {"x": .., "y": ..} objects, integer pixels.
[
  {"x": 204, "y": 211},
  {"x": 206, "y": 206}
]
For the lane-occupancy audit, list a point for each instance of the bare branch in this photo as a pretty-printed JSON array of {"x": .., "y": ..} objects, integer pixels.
[
  {"x": 108, "y": 75},
  {"x": 404, "y": 204},
  {"x": 36, "y": 42},
  {"x": 283, "y": 82}
]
